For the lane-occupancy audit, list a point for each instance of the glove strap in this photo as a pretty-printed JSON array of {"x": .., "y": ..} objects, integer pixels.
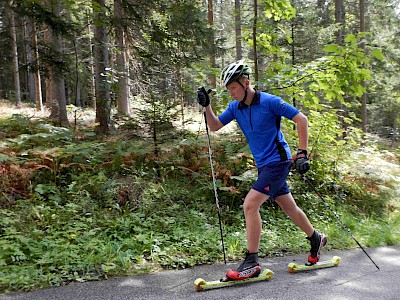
[
  {"x": 301, "y": 151},
  {"x": 300, "y": 154}
]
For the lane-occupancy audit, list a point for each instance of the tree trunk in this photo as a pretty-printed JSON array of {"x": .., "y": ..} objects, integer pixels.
[
  {"x": 213, "y": 79},
  {"x": 238, "y": 31},
  {"x": 60, "y": 83},
  {"x": 77, "y": 85},
  {"x": 59, "y": 102},
  {"x": 255, "y": 4},
  {"x": 122, "y": 65},
  {"x": 365, "y": 95},
  {"x": 28, "y": 31},
  {"x": 180, "y": 96},
  {"x": 339, "y": 19},
  {"x": 50, "y": 103},
  {"x": 17, "y": 84},
  {"x": 101, "y": 52},
  {"x": 35, "y": 67},
  {"x": 51, "y": 73},
  {"x": 92, "y": 90},
  {"x": 292, "y": 25}
]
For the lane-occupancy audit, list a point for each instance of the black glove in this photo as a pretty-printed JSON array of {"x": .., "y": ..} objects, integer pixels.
[
  {"x": 301, "y": 162},
  {"x": 202, "y": 96}
]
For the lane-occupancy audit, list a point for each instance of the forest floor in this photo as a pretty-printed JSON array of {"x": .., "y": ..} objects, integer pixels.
[
  {"x": 367, "y": 162},
  {"x": 380, "y": 165},
  {"x": 7, "y": 109}
]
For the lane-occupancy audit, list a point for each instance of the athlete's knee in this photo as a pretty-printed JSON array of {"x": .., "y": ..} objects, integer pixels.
[
  {"x": 253, "y": 201},
  {"x": 251, "y": 206}
]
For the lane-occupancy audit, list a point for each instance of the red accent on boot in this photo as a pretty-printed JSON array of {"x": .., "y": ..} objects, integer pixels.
[
  {"x": 323, "y": 241},
  {"x": 313, "y": 260},
  {"x": 245, "y": 274}
]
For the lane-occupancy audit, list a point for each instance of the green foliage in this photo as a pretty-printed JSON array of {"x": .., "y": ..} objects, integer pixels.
[
  {"x": 279, "y": 9},
  {"x": 268, "y": 32},
  {"x": 327, "y": 79},
  {"x": 88, "y": 210},
  {"x": 75, "y": 241},
  {"x": 17, "y": 124}
]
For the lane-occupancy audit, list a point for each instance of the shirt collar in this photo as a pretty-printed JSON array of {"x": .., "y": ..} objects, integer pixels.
[{"x": 255, "y": 101}]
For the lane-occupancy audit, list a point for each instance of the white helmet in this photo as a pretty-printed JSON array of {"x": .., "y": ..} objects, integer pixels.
[{"x": 234, "y": 72}]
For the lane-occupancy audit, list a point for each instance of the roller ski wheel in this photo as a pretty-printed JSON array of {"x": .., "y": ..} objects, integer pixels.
[
  {"x": 294, "y": 267},
  {"x": 198, "y": 283},
  {"x": 201, "y": 284}
]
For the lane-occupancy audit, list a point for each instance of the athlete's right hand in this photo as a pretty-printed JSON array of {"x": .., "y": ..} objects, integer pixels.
[
  {"x": 202, "y": 96},
  {"x": 301, "y": 161}
]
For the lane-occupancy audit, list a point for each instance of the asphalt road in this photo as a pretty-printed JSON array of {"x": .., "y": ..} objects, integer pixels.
[{"x": 355, "y": 278}]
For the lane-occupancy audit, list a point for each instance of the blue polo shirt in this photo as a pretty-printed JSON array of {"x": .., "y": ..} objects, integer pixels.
[{"x": 259, "y": 124}]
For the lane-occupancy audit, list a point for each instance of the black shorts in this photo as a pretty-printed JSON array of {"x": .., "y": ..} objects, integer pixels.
[{"x": 272, "y": 179}]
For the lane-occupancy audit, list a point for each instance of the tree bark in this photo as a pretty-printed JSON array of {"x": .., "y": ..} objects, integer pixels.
[
  {"x": 339, "y": 34},
  {"x": 17, "y": 84},
  {"x": 339, "y": 19},
  {"x": 59, "y": 101},
  {"x": 35, "y": 68},
  {"x": 122, "y": 65},
  {"x": 92, "y": 83},
  {"x": 238, "y": 31},
  {"x": 212, "y": 77},
  {"x": 28, "y": 48},
  {"x": 364, "y": 97},
  {"x": 50, "y": 100},
  {"x": 255, "y": 56},
  {"x": 101, "y": 52},
  {"x": 59, "y": 81}
]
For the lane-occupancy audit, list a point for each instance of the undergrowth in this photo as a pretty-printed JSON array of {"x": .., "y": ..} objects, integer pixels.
[{"x": 78, "y": 208}]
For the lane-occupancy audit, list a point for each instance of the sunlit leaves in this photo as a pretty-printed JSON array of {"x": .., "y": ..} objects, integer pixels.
[
  {"x": 350, "y": 39},
  {"x": 332, "y": 48},
  {"x": 377, "y": 54},
  {"x": 278, "y": 9}
]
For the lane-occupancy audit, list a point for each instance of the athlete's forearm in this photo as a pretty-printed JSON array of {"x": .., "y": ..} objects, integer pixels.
[
  {"x": 212, "y": 120},
  {"x": 302, "y": 130}
]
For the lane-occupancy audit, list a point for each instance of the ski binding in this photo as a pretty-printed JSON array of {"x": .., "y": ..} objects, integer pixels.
[
  {"x": 334, "y": 262},
  {"x": 200, "y": 284}
]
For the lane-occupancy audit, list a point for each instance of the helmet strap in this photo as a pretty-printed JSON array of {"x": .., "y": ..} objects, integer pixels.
[
  {"x": 245, "y": 91},
  {"x": 244, "y": 98}
]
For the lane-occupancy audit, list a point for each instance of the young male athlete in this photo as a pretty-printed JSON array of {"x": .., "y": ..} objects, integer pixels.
[{"x": 259, "y": 116}]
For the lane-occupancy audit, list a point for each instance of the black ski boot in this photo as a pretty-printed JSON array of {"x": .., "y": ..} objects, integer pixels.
[
  {"x": 248, "y": 269},
  {"x": 317, "y": 241}
]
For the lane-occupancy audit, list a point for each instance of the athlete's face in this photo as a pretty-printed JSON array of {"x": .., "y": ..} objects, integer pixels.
[{"x": 236, "y": 90}]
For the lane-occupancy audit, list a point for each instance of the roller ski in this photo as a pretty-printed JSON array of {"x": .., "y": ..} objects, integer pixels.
[
  {"x": 248, "y": 271},
  {"x": 317, "y": 241},
  {"x": 201, "y": 284},
  {"x": 294, "y": 267}
]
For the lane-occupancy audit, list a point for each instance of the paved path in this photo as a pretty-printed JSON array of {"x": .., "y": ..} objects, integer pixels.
[{"x": 355, "y": 278}]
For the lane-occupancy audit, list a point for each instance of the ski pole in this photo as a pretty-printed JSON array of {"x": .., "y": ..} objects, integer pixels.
[
  {"x": 215, "y": 187},
  {"x": 337, "y": 217}
]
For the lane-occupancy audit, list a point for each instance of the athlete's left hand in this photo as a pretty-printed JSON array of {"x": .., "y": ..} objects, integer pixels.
[
  {"x": 301, "y": 161},
  {"x": 202, "y": 96}
]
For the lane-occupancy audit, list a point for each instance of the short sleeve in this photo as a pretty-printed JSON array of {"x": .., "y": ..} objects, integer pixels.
[
  {"x": 281, "y": 108},
  {"x": 227, "y": 116}
]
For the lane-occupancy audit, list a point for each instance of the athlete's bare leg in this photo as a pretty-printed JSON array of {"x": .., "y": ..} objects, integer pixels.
[
  {"x": 290, "y": 208},
  {"x": 251, "y": 207}
]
